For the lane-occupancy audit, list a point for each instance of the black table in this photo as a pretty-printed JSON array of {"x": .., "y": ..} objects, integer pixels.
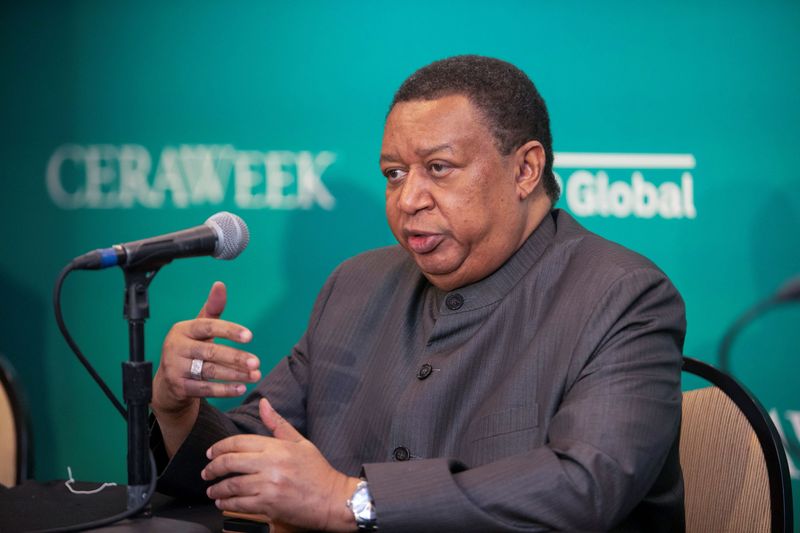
[{"x": 47, "y": 504}]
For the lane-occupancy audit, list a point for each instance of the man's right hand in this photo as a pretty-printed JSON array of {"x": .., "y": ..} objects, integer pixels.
[{"x": 225, "y": 369}]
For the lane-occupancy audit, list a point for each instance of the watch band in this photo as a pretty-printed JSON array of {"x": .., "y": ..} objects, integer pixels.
[{"x": 363, "y": 508}]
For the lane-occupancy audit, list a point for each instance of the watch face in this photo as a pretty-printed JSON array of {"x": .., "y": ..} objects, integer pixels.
[{"x": 362, "y": 505}]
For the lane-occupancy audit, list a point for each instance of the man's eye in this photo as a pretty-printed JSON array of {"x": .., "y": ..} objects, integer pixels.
[
  {"x": 438, "y": 169},
  {"x": 394, "y": 174}
]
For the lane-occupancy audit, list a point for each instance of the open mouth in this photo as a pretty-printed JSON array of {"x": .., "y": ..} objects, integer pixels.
[{"x": 423, "y": 243}]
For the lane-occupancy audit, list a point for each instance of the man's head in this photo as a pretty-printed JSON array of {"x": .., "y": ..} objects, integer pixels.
[
  {"x": 465, "y": 189},
  {"x": 508, "y": 100}
]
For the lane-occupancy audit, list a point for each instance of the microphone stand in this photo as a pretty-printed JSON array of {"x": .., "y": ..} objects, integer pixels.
[
  {"x": 789, "y": 292},
  {"x": 137, "y": 391},
  {"x": 137, "y": 384},
  {"x": 224, "y": 236},
  {"x": 725, "y": 345}
]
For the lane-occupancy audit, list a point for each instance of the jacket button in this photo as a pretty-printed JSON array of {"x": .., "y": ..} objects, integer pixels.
[
  {"x": 424, "y": 371},
  {"x": 401, "y": 453},
  {"x": 454, "y": 301}
]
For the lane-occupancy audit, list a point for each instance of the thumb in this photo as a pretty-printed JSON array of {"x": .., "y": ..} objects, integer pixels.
[
  {"x": 278, "y": 425},
  {"x": 215, "y": 303}
]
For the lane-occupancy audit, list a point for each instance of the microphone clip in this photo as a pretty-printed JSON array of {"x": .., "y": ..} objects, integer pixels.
[{"x": 137, "y": 300}]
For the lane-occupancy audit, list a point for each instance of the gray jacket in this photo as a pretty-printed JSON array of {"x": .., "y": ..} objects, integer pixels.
[{"x": 545, "y": 396}]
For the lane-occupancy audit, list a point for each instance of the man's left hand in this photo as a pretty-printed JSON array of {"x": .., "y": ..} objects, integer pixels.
[{"x": 284, "y": 477}]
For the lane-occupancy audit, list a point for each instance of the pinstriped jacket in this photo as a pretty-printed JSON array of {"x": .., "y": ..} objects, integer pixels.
[{"x": 543, "y": 397}]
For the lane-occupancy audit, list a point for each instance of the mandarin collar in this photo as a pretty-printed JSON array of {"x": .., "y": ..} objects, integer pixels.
[{"x": 495, "y": 286}]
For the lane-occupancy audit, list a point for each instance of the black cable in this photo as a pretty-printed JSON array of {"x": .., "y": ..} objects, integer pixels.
[
  {"x": 114, "y": 518},
  {"x": 71, "y": 342},
  {"x": 724, "y": 352},
  {"x": 787, "y": 293},
  {"x": 117, "y": 404}
]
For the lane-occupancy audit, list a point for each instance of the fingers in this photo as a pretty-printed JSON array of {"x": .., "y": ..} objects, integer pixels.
[
  {"x": 217, "y": 353},
  {"x": 211, "y": 328},
  {"x": 210, "y": 389},
  {"x": 278, "y": 425},
  {"x": 237, "y": 444},
  {"x": 215, "y": 302},
  {"x": 291, "y": 482},
  {"x": 231, "y": 463},
  {"x": 220, "y": 372},
  {"x": 224, "y": 369},
  {"x": 230, "y": 369},
  {"x": 220, "y": 363},
  {"x": 242, "y": 504}
]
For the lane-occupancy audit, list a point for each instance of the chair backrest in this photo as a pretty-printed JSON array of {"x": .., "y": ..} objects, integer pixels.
[
  {"x": 734, "y": 465},
  {"x": 15, "y": 454}
]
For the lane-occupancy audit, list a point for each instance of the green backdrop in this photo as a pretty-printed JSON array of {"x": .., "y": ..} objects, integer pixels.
[{"x": 675, "y": 126}]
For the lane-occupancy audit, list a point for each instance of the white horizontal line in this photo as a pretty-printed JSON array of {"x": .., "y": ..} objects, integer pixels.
[{"x": 600, "y": 160}]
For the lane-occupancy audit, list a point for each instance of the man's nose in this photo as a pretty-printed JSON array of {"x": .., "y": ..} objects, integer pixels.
[{"x": 415, "y": 194}]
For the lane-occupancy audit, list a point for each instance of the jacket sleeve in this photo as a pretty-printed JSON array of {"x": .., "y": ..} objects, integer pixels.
[
  {"x": 286, "y": 387},
  {"x": 606, "y": 444}
]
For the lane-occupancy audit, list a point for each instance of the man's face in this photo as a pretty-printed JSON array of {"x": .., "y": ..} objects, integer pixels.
[{"x": 451, "y": 197}]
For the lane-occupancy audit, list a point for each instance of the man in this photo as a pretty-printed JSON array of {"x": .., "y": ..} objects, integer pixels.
[{"x": 502, "y": 370}]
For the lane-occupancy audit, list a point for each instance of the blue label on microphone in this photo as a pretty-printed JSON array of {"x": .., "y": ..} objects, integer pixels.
[{"x": 108, "y": 257}]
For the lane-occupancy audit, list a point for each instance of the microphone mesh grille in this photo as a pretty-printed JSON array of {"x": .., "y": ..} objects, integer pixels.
[{"x": 232, "y": 234}]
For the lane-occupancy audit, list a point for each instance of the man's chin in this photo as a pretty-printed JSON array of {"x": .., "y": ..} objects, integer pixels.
[
  {"x": 432, "y": 264},
  {"x": 444, "y": 275},
  {"x": 445, "y": 282}
]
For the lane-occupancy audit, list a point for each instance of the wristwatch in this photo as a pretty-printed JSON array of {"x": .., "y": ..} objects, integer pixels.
[{"x": 363, "y": 508}]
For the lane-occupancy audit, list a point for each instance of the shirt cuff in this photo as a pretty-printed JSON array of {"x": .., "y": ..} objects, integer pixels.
[{"x": 180, "y": 476}]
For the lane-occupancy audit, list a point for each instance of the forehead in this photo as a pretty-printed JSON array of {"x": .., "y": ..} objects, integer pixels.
[{"x": 452, "y": 120}]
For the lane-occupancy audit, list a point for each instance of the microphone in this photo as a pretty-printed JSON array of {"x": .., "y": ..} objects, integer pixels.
[
  {"x": 223, "y": 236},
  {"x": 787, "y": 293}
]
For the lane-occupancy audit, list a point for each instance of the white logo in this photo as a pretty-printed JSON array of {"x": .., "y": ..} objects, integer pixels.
[
  {"x": 589, "y": 190},
  {"x": 102, "y": 176}
]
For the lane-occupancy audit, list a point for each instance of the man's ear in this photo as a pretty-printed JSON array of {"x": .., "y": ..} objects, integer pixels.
[{"x": 530, "y": 159}]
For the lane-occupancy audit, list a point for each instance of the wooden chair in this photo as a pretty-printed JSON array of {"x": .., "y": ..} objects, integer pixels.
[
  {"x": 15, "y": 456},
  {"x": 734, "y": 465}
]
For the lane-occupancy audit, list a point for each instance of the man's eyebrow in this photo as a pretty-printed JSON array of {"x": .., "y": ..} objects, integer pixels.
[
  {"x": 389, "y": 158},
  {"x": 422, "y": 152},
  {"x": 425, "y": 152}
]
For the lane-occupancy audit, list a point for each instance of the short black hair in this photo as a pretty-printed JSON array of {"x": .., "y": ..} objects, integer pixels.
[{"x": 515, "y": 111}]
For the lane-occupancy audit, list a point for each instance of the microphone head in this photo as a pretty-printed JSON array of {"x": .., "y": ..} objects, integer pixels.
[
  {"x": 232, "y": 234},
  {"x": 789, "y": 291}
]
